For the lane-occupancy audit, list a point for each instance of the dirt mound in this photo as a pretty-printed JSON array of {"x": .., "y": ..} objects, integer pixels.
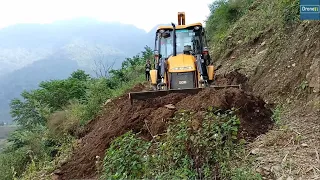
[
  {"x": 232, "y": 78},
  {"x": 254, "y": 116},
  {"x": 148, "y": 117}
]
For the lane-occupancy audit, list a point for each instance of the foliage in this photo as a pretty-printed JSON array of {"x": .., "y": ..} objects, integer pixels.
[
  {"x": 49, "y": 116},
  {"x": 277, "y": 112},
  {"x": 186, "y": 151},
  {"x": 27, "y": 146},
  {"x": 290, "y": 10},
  {"x": 12, "y": 163},
  {"x": 126, "y": 157},
  {"x": 224, "y": 13},
  {"x": 237, "y": 22},
  {"x": 51, "y": 96}
]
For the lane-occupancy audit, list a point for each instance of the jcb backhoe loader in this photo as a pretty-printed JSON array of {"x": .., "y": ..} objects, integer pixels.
[{"x": 181, "y": 61}]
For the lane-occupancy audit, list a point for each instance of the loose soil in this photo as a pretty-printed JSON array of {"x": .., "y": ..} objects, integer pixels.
[{"x": 149, "y": 117}]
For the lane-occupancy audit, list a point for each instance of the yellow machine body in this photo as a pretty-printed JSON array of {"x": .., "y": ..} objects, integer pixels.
[
  {"x": 211, "y": 72},
  {"x": 180, "y": 72},
  {"x": 181, "y": 63},
  {"x": 153, "y": 76}
]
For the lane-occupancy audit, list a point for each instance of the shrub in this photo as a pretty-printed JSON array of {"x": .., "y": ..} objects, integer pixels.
[
  {"x": 185, "y": 151},
  {"x": 224, "y": 13}
]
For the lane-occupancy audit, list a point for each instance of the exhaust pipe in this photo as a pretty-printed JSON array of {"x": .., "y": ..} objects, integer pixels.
[{"x": 174, "y": 40}]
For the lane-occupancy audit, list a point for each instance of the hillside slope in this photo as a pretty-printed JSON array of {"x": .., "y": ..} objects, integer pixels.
[
  {"x": 201, "y": 136},
  {"x": 150, "y": 118},
  {"x": 281, "y": 57}
]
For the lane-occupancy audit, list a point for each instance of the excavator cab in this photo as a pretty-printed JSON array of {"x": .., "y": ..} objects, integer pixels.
[
  {"x": 184, "y": 62},
  {"x": 181, "y": 61}
]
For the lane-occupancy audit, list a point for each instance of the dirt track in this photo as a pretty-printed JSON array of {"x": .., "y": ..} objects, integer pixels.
[{"x": 119, "y": 117}]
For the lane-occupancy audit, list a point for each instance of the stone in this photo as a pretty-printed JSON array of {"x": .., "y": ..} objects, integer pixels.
[
  {"x": 170, "y": 106},
  {"x": 255, "y": 151}
]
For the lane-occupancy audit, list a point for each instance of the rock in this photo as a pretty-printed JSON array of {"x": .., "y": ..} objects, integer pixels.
[
  {"x": 259, "y": 170},
  {"x": 266, "y": 168},
  {"x": 170, "y": 106},
  {"x": 108, "y": 101},
  {"x": 275, "y": 168},
  {"x": 304, "y": 145},
  {"x": 254, "y": 151},
  {"x": 280, "y": 178},
  {"x": 55, "y": 177},
  {"x": 263, "y": 43},
  {"x": 294, "y": 64},
  {"x": 313, "y": 76},
  {"x": 57, "y": 172}
]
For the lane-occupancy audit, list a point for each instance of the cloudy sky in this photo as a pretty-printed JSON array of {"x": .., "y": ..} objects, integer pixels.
[{"x": 144, "y": 14}]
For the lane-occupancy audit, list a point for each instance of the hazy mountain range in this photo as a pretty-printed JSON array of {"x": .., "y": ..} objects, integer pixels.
[{"x": 31, "y": 53}]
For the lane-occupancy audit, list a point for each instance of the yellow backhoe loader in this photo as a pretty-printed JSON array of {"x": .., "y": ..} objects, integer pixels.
[{"x": 181, "y": 61}]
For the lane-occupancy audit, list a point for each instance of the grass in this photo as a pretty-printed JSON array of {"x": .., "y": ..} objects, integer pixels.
[
  {"x": 256, "y": 18},
  {"x": 184, "y": 151}
]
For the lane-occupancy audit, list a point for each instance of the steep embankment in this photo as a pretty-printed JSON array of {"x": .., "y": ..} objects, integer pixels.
[
  {"x": 149, "y": 117},
  {"x": 281, "y": 57}
]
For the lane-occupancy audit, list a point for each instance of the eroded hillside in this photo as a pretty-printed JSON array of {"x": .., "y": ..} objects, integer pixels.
[
  {"x": 270, "y": 129},
  {"x": 281, "y": 57}
]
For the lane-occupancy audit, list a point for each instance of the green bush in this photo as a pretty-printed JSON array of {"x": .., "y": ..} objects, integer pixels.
[
  {"x": 13, "y": 163},
  {"x": 126, "y": 158},
  {"x": 290, "y": 10},
  {"x": 186, "y": 151},
  {"x": 224, "y": 13},
  {"x": 49, "y": 115}
]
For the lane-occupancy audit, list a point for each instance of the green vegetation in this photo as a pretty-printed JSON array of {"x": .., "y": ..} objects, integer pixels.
[
  {"x": 207, "y": 151},
  {"x": 223, "y": 15},
  {"x": 51, "y": 117},
  {"x": 235, "y": 22}
]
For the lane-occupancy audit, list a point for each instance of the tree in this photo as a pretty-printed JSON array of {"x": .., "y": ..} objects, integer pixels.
[{"x": 51, "y": 96}]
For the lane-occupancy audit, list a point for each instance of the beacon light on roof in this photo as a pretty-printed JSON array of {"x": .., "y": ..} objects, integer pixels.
[{"x": 197, "y": 27}]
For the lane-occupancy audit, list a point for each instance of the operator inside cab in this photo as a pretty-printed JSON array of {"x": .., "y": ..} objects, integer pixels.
[{"x": 187, "y": 50}]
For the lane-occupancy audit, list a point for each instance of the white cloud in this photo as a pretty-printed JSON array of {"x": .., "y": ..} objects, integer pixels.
[{"x": 142, "y": 13}]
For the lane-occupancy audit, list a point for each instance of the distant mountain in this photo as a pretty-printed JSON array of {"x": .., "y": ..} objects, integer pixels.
[
  {"x": 23, "y": 44},
  {"x": 31, "y": 53},
  {"x": 151, "y": 35}
]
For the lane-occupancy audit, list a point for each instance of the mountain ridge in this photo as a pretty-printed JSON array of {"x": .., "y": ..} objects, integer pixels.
[{"x": 31, "y": 53}]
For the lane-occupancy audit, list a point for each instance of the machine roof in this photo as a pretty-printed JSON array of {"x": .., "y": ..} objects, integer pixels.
[{"x": 179, "y": 26}]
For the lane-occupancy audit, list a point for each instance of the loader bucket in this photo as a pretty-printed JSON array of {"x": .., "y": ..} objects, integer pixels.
[{"x": 154, "y": 94}]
